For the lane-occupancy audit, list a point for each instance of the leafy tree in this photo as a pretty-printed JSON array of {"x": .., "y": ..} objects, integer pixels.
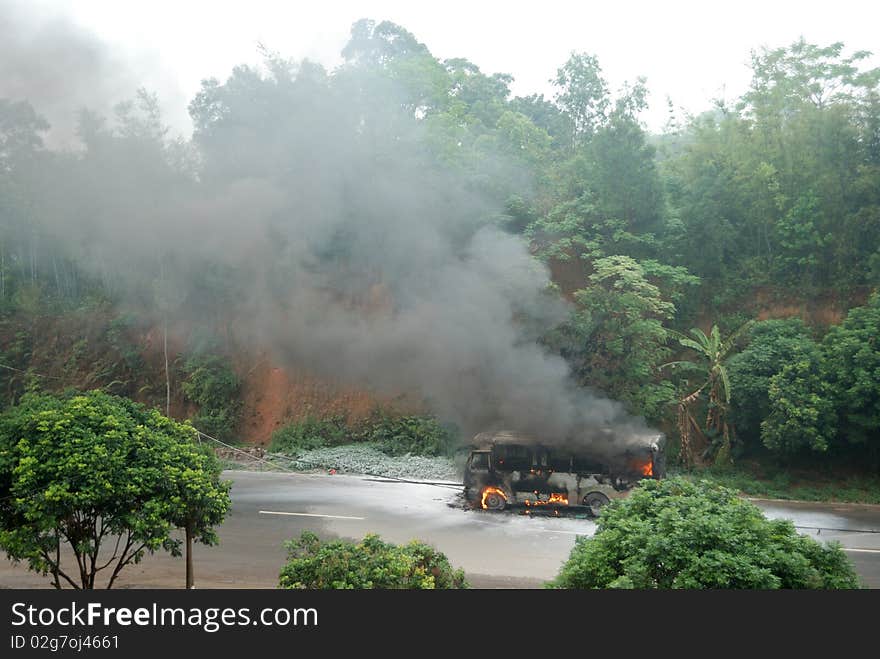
[
  {"x": 546, "y": 115},
  {"x": 371, "y": 563},
  {"x": 90, "y": 472},
  {"x": 803, "y": 411},
  {"x": 679, "y": 534},
  {"x": 610, "y": 177},
  {"x": 804, "y": 75},
  {"x": 775, "y": 189},
  {"x": 22, "y": 158},
  {"x": 852, "y": 371},
  {"x": 800, "y": 241},
  {"x": 197, "y": 499},
  {"x": 616, "y": 338},
  {"x": 773, "y": 344},
  {"x": 583, "y": 93},
  {"x": 623, "y": 175},
  {"x": 827, "y": 397}
]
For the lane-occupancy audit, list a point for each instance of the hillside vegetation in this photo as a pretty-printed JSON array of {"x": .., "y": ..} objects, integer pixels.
[{"x": 156, "y": 268}]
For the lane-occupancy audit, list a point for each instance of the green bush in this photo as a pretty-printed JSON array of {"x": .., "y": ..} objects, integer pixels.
[
  {"x": 212, "y": 384},
  {"x": 371, "y": 563},
  {"x": 680, "y": 534},
  {"x": 116, "y": 336},
  {"x": 773, "y": 344},
  {"x": 802, "y": 408},
  {"x": 398, "y": 435},
  {"x": 311, "y": 432},
  {"x": 394, "y": 435},
  {"x": 827, "y": 398}
]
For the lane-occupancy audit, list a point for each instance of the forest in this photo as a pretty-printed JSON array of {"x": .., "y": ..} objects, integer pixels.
[{"x": 406, "y": 224}]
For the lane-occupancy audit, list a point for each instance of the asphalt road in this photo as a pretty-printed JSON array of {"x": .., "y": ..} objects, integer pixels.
[{"x": 495, "y": 550}]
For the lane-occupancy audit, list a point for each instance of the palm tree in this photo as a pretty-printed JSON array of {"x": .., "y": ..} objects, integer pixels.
[{"x": 713, "y": 353}]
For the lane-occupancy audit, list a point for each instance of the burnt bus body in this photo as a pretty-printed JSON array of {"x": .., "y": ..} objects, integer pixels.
[{"x": 509, "y": 469}]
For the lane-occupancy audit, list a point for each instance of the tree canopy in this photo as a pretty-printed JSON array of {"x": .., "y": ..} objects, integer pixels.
[
  {"x": 299, "y": 178},
  {"x": 102, "y": 478},
  {"x": 680, "y": 534}
]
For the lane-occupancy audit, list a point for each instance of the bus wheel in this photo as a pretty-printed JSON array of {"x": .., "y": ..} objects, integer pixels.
[
  {"x": 494, "y": 501},
  {"x": 595, "y": 501}
]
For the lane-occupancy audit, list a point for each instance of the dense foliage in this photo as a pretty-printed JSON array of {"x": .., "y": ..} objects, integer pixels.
[
  {"x": 311, "y": 432},
  {"x": 827, "y": 397},
  {"x": 402, "y": 434},
  {"x": 211, "y": 383},
  {"x": 772, "y": 344},
  {"x": 393, "y": 434},
  {"x": 766, "y": 204},
  {"x": 679, "y": 534},
  {"x": 103, "y": 478},
  {"x": 370, "y": 563}
]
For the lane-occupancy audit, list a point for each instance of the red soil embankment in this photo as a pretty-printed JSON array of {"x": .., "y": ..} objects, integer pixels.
[{"x": 273, "y": 396}]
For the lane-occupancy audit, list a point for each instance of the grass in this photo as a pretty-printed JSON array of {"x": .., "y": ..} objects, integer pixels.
[{"x": 757, "y": 480}]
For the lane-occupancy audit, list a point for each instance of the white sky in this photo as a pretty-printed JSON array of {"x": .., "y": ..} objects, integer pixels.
[{"x": 689, "y": 50}]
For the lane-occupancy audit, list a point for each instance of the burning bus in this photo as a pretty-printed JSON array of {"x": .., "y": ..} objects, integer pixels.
[{"x": 511, "y": 469}]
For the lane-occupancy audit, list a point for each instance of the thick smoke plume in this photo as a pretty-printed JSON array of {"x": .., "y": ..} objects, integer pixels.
[
  {"x": 313, "y": 213},
  {"x": 61, "y": 68}
]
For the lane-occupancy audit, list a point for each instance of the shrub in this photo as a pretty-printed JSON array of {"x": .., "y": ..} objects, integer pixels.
[
  {"x": 398, "y": 435},
  {"x": 213, "y": 385},
  {"x": 311, "y": 432},
  {"x": 394, "y": 435},
  {"x": 371, "y": 563},
  {"x": 679, "y": 534}
]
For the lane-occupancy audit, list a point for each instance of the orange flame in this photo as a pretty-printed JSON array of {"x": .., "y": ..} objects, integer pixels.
[
  {"x": 642, "y": 468},
  {"x": 555, "y": 497},
  {"x": 491, "y": 490}
]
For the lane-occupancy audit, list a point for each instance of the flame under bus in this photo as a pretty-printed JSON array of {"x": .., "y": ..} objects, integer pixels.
[{"x": 508, "y": 469}]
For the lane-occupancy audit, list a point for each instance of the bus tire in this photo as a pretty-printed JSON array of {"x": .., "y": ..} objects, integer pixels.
[{"x": 595, "y": 501}]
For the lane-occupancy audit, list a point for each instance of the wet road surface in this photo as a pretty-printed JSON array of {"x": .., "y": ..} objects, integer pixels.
[{"x": 495, "y": 550}]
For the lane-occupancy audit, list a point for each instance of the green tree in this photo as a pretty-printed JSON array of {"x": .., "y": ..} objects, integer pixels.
[
  {"x": 371, "y": 563},
  {"x": 583, "y": 94},
  {"x": 196, "y": 497},
  {"x": 827, "y": 397},
  {"x": 713, "y": 353},
  {"x": 679, "y": 534},
  {"x": 90, "y": 472},
  {"x": 616, "y": 339},
  {"x": 780, "y": 189},
  {"x": 803, "y": 412},
  {"x": 852, "y": 371},
  {"x": 773, "y": 344}
]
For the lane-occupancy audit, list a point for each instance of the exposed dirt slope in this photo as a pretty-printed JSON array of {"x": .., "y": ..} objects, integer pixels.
[{"x": 273, "y": 396}]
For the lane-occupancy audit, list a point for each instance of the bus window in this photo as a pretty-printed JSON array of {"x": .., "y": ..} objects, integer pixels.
[{"x": 480, "y": 461}]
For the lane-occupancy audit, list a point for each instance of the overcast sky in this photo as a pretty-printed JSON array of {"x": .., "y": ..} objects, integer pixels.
[{"x": 690, "y": 51}]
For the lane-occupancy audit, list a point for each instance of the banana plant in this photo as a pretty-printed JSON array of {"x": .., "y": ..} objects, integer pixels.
[{"x": 712, "y": 352}]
